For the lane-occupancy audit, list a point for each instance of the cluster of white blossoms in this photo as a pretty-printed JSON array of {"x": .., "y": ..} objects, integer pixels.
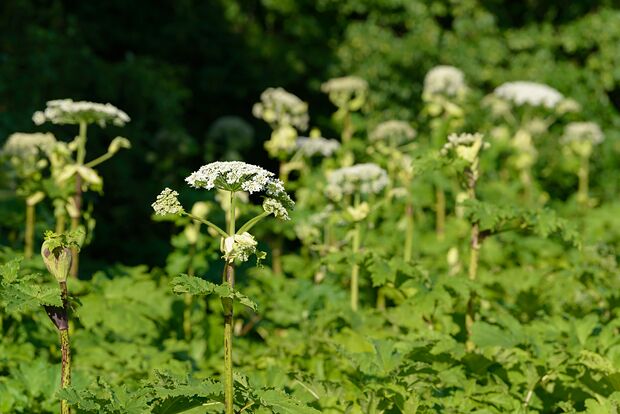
[
  {"x": 583, "y": 131},
  {"x": 466, "y": 146},
  {"x": 346, "y": 92},
  {"x": 444, "y": 80},
  {"x": 239, "y": 176},
  {"x": 530, "y": 93},
  {"x": 366, "y": 178},
  {"x": 393, "y": 131},
  {"x": 67, "y": 111},
  {"x": 239, "y": 247},
  {"x": 279, "y": 107},
  {"x": 22, "y": 145},
  {"x": 311, "y": 146},
  {"x": 167, "y": 203}
]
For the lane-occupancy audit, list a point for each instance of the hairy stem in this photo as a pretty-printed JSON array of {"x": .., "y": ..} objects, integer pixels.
[
  {"x": 65, "y": 350},
  {"x": 187, "y": 298},
  {"x": 474, "y": 255},
  {"x": 77, "y": 198},
  {"x": 227, "y": 305},
  {"x": 276, "y": 256}
]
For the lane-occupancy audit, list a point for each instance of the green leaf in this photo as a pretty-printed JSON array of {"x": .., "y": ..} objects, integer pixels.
[{"x": 200, "y": 287}]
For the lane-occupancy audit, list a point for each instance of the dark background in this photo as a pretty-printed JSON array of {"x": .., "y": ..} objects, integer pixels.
[{"x": 177, "y": 66}]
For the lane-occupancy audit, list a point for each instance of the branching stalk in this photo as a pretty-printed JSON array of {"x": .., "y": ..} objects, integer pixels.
[
  {"x": 77, "y": 198},
  {"x": 227, "y": 305},
  {"x": 355, "y": 269},
  {"x": 29, "y": 235},
  {"x": 583, "y": 174}
]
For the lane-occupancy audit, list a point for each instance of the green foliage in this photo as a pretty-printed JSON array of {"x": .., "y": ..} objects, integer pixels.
[{"x": 200, "y": 287}]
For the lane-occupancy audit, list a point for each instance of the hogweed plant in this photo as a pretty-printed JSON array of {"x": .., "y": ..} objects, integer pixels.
[
  {"x": 27, "y": 154},
  {"x": 57, "y": 252},
  {"x": 444, "y": 95},
  {"x": 286, "y": 114},
  {"x": 579, "y": 139},
  {"x": 237, "y": 244},
  {"x": 351, "y": 187},
  {"x": 529, "y": 109},
  {"x": 349, "y": 95},
  {"x": 466, "y": 148},
  {"x": 82, "y": 113},
  {"x": 390, "y": 141}
]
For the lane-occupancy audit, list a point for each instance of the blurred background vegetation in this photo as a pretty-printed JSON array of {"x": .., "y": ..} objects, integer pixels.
[{"x": 176, "y": 67}]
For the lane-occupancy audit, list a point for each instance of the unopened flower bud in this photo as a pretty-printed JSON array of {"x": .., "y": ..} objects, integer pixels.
[{"x": 57, "y": 260}]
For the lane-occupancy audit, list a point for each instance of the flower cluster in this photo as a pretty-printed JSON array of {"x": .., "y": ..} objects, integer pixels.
[
  {"x": 358, "y": 179},
  {"x": 347, "y": 91},
  {"x": 279, "y": 107},
  {"x": 444, "y": 80},
  {"x": 311, "y": 146},
  {"x": 67, "y": 111},
  {"x": 465, "y": 146},
  {"x": 530, "y": 93},
  {"x": 239, "y": 176},
  {"x": 583, "y": 131},
  {"x": 23, "y": 145},
  {"x": 167, "y": 203},
  {"x": 394, "y": 132},
  {"x": 239, "y": 247}
]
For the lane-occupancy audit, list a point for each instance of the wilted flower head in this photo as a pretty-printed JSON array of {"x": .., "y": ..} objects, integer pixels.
[
  {"x": 583, "y": 131},
  {"x": 22, "y": 145},
  {"x": 465, "y": 146},
  {"x": 395, "y": 132},
  {"x": 360, "y": 178},
  {"x": 279, "y": 107},
  {"x": 167, "y": 203},
  {"x": 346, "y": 92},
  {"x": 240, "y": 176},
  {"x": 530, "y": 93},
  {"x": 444, "y": 80},
  {"x": 310, "y": 146},
  {"x": 67, "y": 111}
]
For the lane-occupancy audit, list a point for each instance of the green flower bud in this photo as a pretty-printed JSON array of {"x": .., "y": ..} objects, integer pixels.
[{"x": 57, "y": 260}]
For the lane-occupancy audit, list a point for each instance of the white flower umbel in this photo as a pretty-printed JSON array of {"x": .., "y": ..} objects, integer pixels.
[
  {"x": 529, "y": 93},
  {"x": 279, "y": 107},
  {"x": 311, "y": 146},
  {"x": 583, "y": 132},
  {"x": 67, "y": 111},
  {"x": 24, "y": 145},
  {"x": 394, "y": 132},
  {"x": 444, "y": 80},
  {"x": 358, "y": 179},
  {"x": 167, "y": 203},
  {"x": 346, "y": 92}
]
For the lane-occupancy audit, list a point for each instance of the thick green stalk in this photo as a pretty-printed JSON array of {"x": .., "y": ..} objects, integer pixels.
[
  {"x": 227, "y": 305},
  {"x": 77, "y": 198},
  {"x": 409, "y": 233},
  {"x": 187, "y": 298},
  {"x": 347, "y": 128},
  {"x": 29, "y": 235},
  {"x": 355, "y": 270},
  {"x": 440, "y": 212},
  {"x": 583, "y": 174},
  {"x": 474, "y": 256}
]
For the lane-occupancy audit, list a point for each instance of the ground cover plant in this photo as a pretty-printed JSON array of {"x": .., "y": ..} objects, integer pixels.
[{"x": 447, "y": 245}]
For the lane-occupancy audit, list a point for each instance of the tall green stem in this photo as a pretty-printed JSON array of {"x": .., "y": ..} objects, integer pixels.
[
  {"x": 187, "y": 298},
  {"x": 29, "y": 235},
  {"x": 227, "y": 305},
  {"x": 474, "y": 255},
  {"x": 355, "y": 269},
  {"x": 583, "y": 174},
  {"x": 440, "y": 212},
  {"x": 409, "y": 232},
  {"x": 77, "y": 198}
]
